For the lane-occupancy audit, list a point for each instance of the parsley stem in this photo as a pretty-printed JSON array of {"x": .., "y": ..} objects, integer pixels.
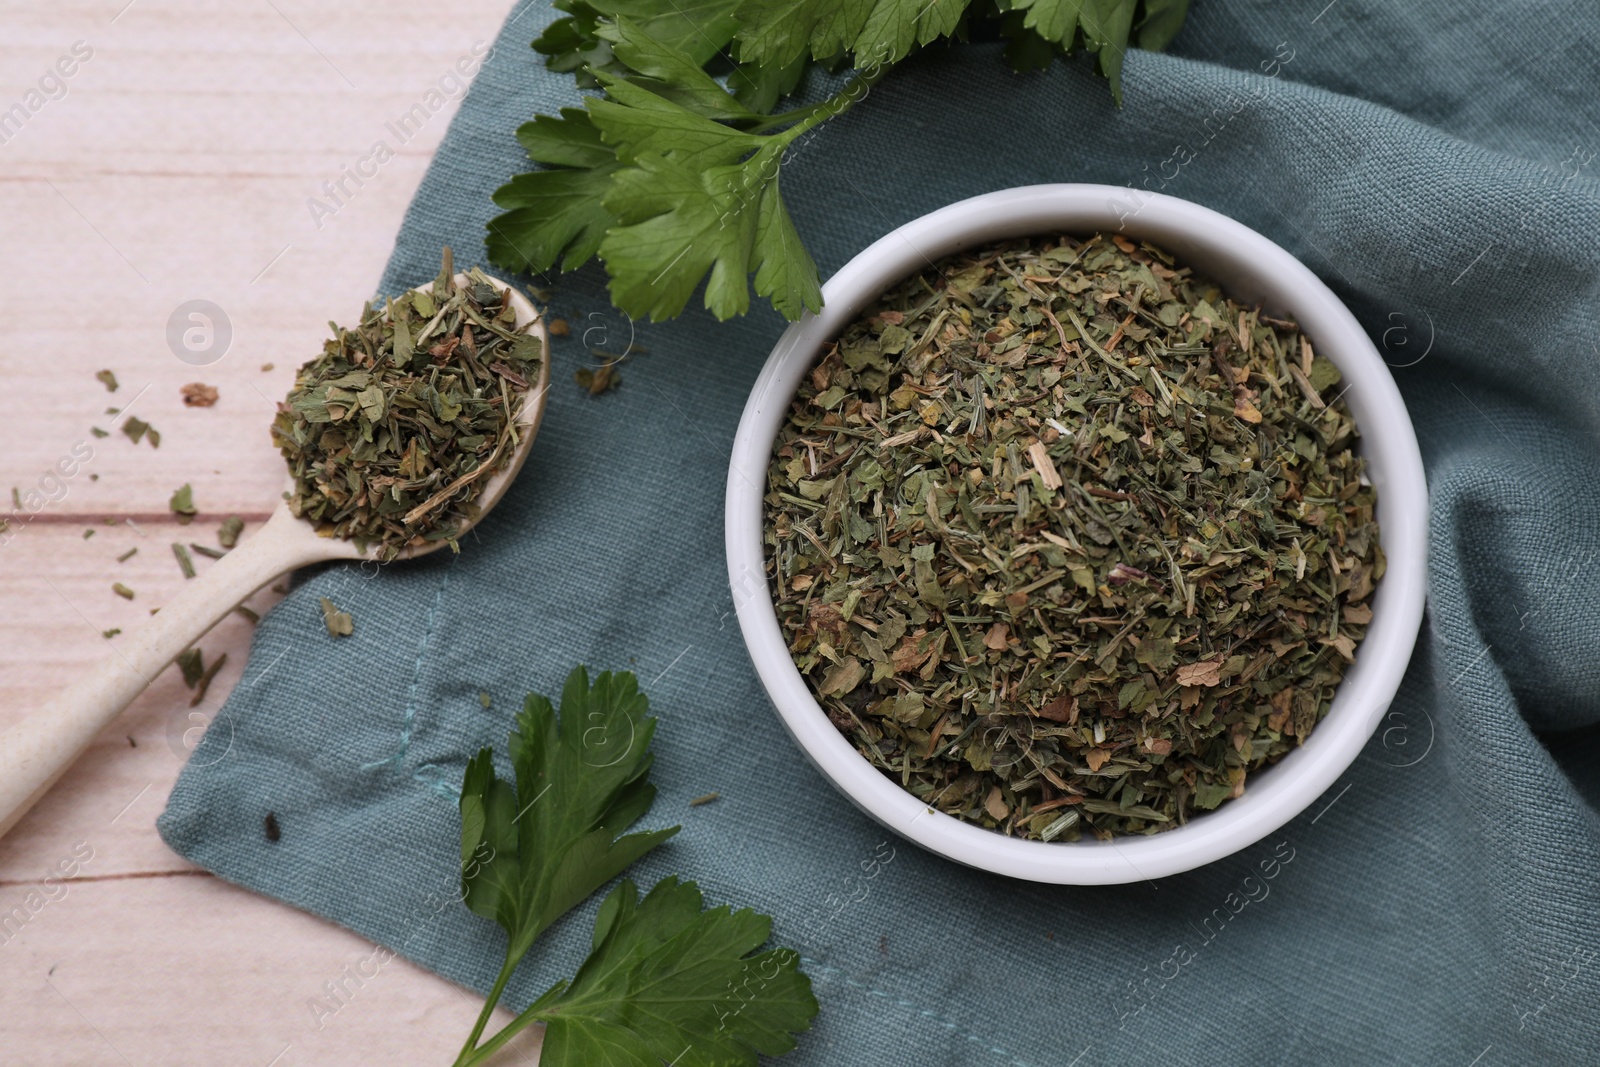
[
  {"x": 804, "y": 118},
  {"x": 529, "y": 1016},
  {"x": 773, "y": 122},
  {"x": 470, "y": 1050}
]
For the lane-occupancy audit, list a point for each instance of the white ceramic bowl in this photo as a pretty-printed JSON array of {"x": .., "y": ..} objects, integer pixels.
[{"x": 1252, "y": 270}]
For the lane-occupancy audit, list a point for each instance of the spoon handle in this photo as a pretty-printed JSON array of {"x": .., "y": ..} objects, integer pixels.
[{"x": 35, "y": 751}]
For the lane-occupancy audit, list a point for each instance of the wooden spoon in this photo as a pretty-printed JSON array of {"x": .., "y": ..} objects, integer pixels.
[{"x": 36, "y": 751}]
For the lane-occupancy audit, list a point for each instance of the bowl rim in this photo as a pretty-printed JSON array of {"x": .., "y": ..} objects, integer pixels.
[{"x": 1223, "y": 247}]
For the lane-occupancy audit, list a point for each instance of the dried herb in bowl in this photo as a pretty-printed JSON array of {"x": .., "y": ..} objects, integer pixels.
[
  {"x": 1065, "y": 541},
  {"x": 392, "y": 432}
]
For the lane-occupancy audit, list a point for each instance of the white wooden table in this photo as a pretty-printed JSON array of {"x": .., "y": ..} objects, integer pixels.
[{"x": 176, "y": 163}]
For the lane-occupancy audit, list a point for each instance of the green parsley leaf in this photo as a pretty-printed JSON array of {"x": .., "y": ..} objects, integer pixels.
[
  {"x": 1102, "y": 26},
  {"x": 1106, "y": 24},
  {"x": 700, "y": 28},
  {"x": 574, "y": 45},
  {"x": 570, "y": 45},
  {"x": 636, "y": 121},
  {"x": 555, "y": 214},
  {"x": 700, "y": 197},
  {"x": 777, "y": 32},
  {"x": 681, "y": 220},
  {"x": 759, "y": 87},
  {"x": 895, "y": 27},
  {"x": 533, "y": 851},
  {"x": 1025, "y": 49},
  {"x": 671, "y": 72},
  {"x": 785, "y": 272},
  {"x": 874, "y": 32},
  {"x": 570, "y": 141},
  {"x": 670, "y": 982},
  {"x": 1161, "y": 23}
]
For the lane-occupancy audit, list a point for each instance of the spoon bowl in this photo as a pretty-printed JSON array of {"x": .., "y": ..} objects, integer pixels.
[{"x": 35, "y": 752}]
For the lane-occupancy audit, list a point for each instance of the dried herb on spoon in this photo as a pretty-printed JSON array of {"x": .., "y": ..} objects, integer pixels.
[{"x": 393, "y": 431}]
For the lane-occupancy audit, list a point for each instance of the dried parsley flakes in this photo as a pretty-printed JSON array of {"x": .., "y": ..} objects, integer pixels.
[
  {"x": 392, "y": 432},
  {"x": 181, "y": 504},
  {"x": 1066, "y": 542},
  {"x": 339, "y": 623}
]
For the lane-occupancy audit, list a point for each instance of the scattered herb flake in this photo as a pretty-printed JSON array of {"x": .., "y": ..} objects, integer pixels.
[
  {"x": 128, "y": 554},
  {"x": 205, "y": 680},
  {"x": 185, "y": 564},
  {"x": 270, "y": 825},
  {"x": 122, "y": 591},
  {"x": 207, "y": 551},
  {"x": 228, "y": 533},
  {"x": 198, "y": 395},
  {"x": 191, "y": 662},
  {"x": 249, "y": 614},
  {"x": 597, "y": 380},
  {"x": 107, "y": 379},
  {"x": 182, "y": 504},
  {"x": 109, "y": 634},
  {"x": 339, "y": 623},
  {"x": 137, "y": 429},
  {"x": 704, "y": 799},
  {"x": 98, "y": 432}
]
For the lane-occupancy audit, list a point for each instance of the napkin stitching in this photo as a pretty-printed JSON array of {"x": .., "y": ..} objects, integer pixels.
[
  {"x": 410, "y": 717},
  {"x": 823, "y": 968},
  {"x": 435, "y": 782}
]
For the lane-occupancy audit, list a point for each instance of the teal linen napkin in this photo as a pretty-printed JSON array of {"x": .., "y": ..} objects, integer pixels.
[{"x": 1435, "y": 163}]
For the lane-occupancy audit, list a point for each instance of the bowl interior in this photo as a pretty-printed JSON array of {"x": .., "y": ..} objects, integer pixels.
[{"x": 1250, "y": 269}]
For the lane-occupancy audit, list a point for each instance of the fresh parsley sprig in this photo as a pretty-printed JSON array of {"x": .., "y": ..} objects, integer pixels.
[
  {"x": 670, "y": 175},
  {"x": 669, "y": 982},
  {"x": 666, "y": 979}
]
